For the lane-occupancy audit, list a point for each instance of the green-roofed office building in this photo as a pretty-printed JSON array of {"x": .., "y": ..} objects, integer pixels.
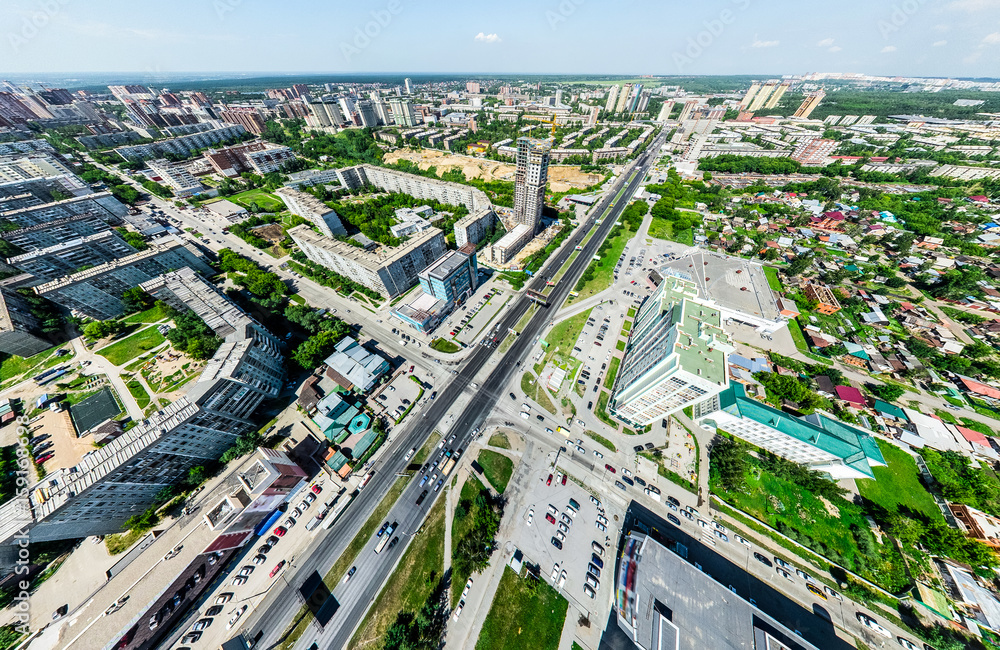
[
  {"x": 819, "y": 442},
  {"x": 677, "y": 355}
]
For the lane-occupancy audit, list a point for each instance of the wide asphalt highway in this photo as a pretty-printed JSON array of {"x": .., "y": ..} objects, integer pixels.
[{"x": 275, "y": 613}]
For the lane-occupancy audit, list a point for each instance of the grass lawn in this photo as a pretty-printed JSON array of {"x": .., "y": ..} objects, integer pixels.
[
  {"x": 12, "y": 366},
  {"x": 460, "y": 526},
  {"x": 631, "y": 312},
  {"x": 497, "y": 468},
  {"x": 601, "y": 440},
  {"x": 530, "y": 386},
  {"x": 265, "y": 200},
  {"x": 663, "y": 229},
  {"x": 499, "y": 440},
  {"x": 898, "y": 484},
  {"x": 620, "y": 346},
  {"x": 411, "y": 583},
  {"x": 604, "y": 268},
  {"x": 797, "y": 335},
  {"x": 560, "y": 342},
  {"x": 154, "y": 314},
  {"x": 139, "y": 393},
  {"x": 523, "y": 617},
  {"x": 609, "y": 379},
  {"x": 771, "y": 274},
  {"x": 442, "y": 345},
  {"x": 129, "y": 348},
  {"x": 601, "y": 410}
]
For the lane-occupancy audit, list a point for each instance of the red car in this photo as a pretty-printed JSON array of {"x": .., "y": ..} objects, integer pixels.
[
  {"x": 281, "y": 530},
  {"x": 277, "y": 568},
  {"x": 411, "y": 369},
  {"x": 549, "y": 518},
  {"x": 549, "y": 482},
  {"x": 43, "y": 458},
  {"x": 316, "y": 489},
  {"x": 610, "y": 468},
  {"x": 564, "y": 479}
]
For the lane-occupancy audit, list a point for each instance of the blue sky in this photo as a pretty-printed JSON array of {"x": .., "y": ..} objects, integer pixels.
[{"x": 904, "y": 37}]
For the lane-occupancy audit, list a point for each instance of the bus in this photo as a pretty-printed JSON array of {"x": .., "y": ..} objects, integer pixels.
[
  {"x": 385, "y": 538},
  {"x": 365, "y": 480}
]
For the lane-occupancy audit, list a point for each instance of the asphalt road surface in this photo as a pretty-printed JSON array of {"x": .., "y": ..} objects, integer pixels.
[{"x": 354, "y": 597}]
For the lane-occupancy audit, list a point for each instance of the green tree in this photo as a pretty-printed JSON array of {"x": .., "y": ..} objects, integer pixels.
[
  {"x": 100, "y": 329},
  {"x": 136, "y": 299},
  {"x": 887, "y": 392}
]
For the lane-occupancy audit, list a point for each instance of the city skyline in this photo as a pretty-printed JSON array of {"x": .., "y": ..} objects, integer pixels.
[{"x": 932, "y": 38}]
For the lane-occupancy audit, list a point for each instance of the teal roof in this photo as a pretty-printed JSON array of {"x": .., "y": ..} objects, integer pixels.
[
  {"x": 362, "y": 445},
  {"x": 333, "y": 417},
  {"x": 855, "y": 447},
  {"x": 890, "y": 409},
  {"x": 337, "y": 461}
]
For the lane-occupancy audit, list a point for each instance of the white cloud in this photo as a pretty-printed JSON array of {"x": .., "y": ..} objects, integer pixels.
[
  {"x": 835, "y": 49},
  {"x": 992, "y": 39},
  {"x": 939, "y": 43},
  {"x": 759, "y": 43},
  {"x": 888, "y": 48},
  {"x": 826, "y": 42},
  {"x": 483, "y": 37},
  {"x": 972, "y": 6}
]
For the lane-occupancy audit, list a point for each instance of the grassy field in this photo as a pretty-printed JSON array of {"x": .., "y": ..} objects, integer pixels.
[
  {"x": 411, "y": 583},
  {"x": 154, "y": 314},
  {"x": 609, "y": 379},
  {"x": 497, "y": 468},
  {"x": 771, "y": 274},
  {"x": 532, "y": 390},
  {"x": 561, "y": 339},
  {"x": 266, "y": 201},
  {"x": 12, "y": 366},
  {"x": 601, "y": 410},
  {"x": 139, "y": 393},
  {"x": 447, "y": 347},
  {"x": 460, "y": 526},
  {"x": 605, "y": 267},
  {"x": 601, "y": 440},
  {"x": 898, "y": 484},
  {"x": 499, "y": 440},
  {"x": 129, "y": 348},
  {"x": 663, "y": 229},
  {"x": 522, "y": 616}
]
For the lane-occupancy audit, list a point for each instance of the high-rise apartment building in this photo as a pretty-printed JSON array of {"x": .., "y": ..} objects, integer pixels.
[
  {"x": 309, "y": 207},
  {"x": 642, "y": 101},
  {"x": 324, "y": 114},
  {"x": 472, "y": 87},
  {"x": 677, "y": 355},
  {"x": 367, "y": 114},
  {"x": 623, "y": 98},
  {"x": 809, "y": 104},
  {"x": 247, "y": 117},
  {"x": 665, "y": 110},
  {"x": 609, "y": 106},
  {"x": 122, "y": 478},
  {"x": 408, "y": 86},
  {"x": 687, "y": 110},
  {"x": 776, "y": 96},
  {"x": 389, "y": 270},
  {"x": 633, "y": 104},
  {"x": 762, "y": 96},
  {"x": 471, "y": 228},
  {"x": 530, "y": 177},
  {"x": 403, "y": 113}
]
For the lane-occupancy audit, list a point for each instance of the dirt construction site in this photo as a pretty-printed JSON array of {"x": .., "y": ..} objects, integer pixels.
[{"x": 561, "y": 177}]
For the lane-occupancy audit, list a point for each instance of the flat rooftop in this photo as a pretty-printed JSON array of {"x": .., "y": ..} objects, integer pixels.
[
  {"x": 668, "y": 604},
  {"x": 722, "y": 279}
]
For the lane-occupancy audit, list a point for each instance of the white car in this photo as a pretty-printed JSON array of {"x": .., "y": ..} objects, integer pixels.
[
  {"x": 743, "y": 540},
  {"x": 562, "y": 578},
  {"x": 555, "y": 572},
  {"x": 873, "y": 625},
  {"x": 531, "y": 516},
  {"x": 236, "y": 617},
  {"x": 525, "y": 414},
  {"x": 598, "y": 454},
  {"x": 468, "y": 587},
  {"x": 627, "y": 473},
  {"x": 458, "y": 610}
]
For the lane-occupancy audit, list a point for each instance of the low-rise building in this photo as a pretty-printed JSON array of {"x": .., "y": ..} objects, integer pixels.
[
  {"x": 353, "y": 367},
  {"x": 826, "y": 301},
  {"x": 504, "y": 250},
  {"x": 175, "y": 177},
  {"x": 411, "y": 220},
  {"x": 71, "y": 256}
]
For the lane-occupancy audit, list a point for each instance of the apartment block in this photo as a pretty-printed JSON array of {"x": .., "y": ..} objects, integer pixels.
[
  {"x": 57, "y": 231},
  {"x": 247, "y": 117},
  {"x": 324, "y": 114},
  {"x": 33, "y": 212},
  {"x": 508, "y": 246},
  {"x": 826, "y": 301},
  {"x": 419, "y": 187},
  {"x": 309, "y": 207},
  {"x": 809, "y": 104},
  {"x": 471, "y": 228},
  {"x": 403, "y": 113},
  {"x": 257, "y": 157},
  {"x": 121, "y": 479},
  {"x": 387, "y": 270},
  {"x": 530, "y": 177},
  {"x": 36, "y": 191},
  {"x": 20, "y": 331},
  {"x": 817, "y": 441},
  {"x": 68, "y": 257},
  {"x": 175, "y": 177},
  {"x": 183, "y": 146},
  {"x": 677, "y": 355},
  {"x": 814, "y": 152},
  {"x": 22, "y": 167},
  {"x": 97, "y": 292}
]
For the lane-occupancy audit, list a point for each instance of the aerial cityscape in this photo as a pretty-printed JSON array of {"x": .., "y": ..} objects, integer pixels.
[{"x": 587, "y": 326}]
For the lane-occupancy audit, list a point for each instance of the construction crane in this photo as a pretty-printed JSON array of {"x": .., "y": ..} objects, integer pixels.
[{"x": 552, "y": 132}]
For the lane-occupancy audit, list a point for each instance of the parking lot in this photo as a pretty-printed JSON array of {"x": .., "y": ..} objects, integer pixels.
[
  {"x": 579, "y": 532},
  {"x": 398, "y": 396},
  {"x": 477, "y": 314}
]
